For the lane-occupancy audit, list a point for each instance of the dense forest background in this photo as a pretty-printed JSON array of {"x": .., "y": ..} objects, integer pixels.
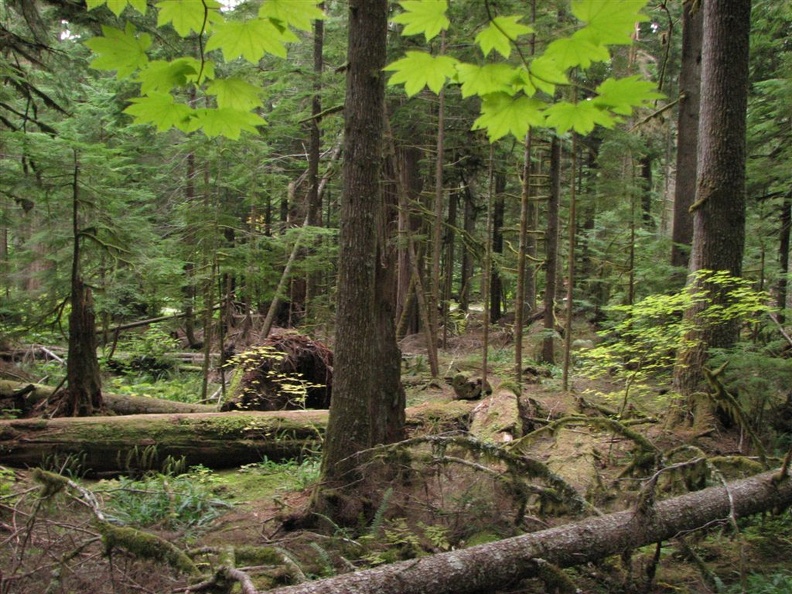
[{"x": 562, "y": 251}]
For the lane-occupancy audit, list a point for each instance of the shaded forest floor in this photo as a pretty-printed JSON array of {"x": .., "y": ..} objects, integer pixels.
[{"x": 457, "y": 497}]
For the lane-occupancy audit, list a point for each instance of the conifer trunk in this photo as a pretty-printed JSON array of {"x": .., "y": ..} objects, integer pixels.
[
  {"x": 719, "y": 210},
  {"x": 368, "y": 399},
  {"x": 687, "y": 133}
]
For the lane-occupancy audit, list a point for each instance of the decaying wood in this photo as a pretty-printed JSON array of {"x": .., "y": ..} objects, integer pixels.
[
  {"x": 490, "y": 567},
  {"x": 113, "y": 444},
  {"x": 119, "y": 404},
  {"x": 215, "y": 440}
]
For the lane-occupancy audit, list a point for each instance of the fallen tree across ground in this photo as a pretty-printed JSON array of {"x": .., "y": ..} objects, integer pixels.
[
  {"x": 25, "y": 397},
  {"x": 215, "y": 440},
  {"x": 496, "y": 566}
]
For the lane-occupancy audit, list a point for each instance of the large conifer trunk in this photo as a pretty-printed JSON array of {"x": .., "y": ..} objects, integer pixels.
[
  {"x": 719, "y": 209},
  {"x": 368, "y": 400}
]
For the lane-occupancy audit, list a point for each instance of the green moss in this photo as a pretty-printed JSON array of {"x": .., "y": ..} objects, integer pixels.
[{"x": 147, "y": 546}]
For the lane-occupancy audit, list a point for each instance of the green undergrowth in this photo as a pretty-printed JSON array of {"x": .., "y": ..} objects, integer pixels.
[{"x": 181, "y": 502}]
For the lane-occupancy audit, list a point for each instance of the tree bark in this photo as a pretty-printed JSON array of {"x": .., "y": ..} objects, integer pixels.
[
  {"x": 551, "y": 252},
  {"x": 687, "y": 133},
  {"x": 135, "y": 442},
  {"x": 117, "y": 404},
  {"x": 491, "y": 567},
  {"x": 719, "y": 210},
  {"x": 368, "y": 399},
  {"x": 215, "y": 440}
]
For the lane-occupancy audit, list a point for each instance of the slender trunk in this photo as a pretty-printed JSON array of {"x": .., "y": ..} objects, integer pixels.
[
  {"x": 687, "y": 133},
  {"x": 313, "y": 214},
  {"x": 571, "y": 263},
  {"x": 551, "y": 252},
  {"x": 498, "y": 214},
  {"x": 785, "y": 220},
  {"x": 437, "y": 228},
  {"x": 469, "y": 225},
  {"x": 523, "y": 284}
]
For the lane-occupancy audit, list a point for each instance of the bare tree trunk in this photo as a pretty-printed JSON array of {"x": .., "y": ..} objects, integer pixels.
[
  {"x": 82, "y": 367},
  {"x": 551, "y": 252},
  {"x": 498, "y": 214},
  {"x": 368, "y": 399},
  {"x": 437, "y": 227},
  {"x": 468, "y": 260},
  {"x": 719, "y": 210},
  {"x": 490, "y": 567},
  {"x": 785, "y": 220},
  {"x": 523, "y": 284},
  {"x": 687, "y": 133}
]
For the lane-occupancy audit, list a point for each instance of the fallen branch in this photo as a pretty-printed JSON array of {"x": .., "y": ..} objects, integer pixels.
[{"x": 488, "y": 567}]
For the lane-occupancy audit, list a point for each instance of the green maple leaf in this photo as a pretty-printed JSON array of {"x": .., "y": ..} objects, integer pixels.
[
  {"x": 487, "y": 79},
  {"x": 235, "y": 93},
  {"x": 225, "y": 122},
  {"x": 420, "y": 69},
  {"x": 580, "y": 117},
  {"x": 251, "y": 39},
  {"x": 500, "y": 34},
  {"x": 122, "y": 51},
  {"x": 609, "y": 22},
  {"x": 187, "y": 15},
  {"x": 299, "y": 14},
  {"x": 502, "y": 114},
  {"x": 161, "y": 110},
  {"x": 160, "y": 75},
  {"x": 571, "y": 52},
  {"x": 423, "y": 16},
  {"x": 545, "y": 74},
  {"x": 118, "y": 6},
  {"x": 623, "y": 95}
]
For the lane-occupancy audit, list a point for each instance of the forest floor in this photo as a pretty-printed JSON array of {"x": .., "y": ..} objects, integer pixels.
[{"x": 250, "y": 508}]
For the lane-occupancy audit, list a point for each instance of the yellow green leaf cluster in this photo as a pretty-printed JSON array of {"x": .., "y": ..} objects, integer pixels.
[
  {"x": 167, "y": 88},
  {"x": 518, "y": 94}
]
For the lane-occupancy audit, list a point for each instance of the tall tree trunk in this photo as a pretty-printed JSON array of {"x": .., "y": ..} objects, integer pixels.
[
  {"x": 409, "y": 171},
  {"x": 526, "y": 250},
  {"x": 551, "y": 252},
  {"x": 450, "y": 240},
  {"x": 785, "y": 220},
  {"x": 368, "y": 399},
  {"x": 719, "y": 210},
  {"x": 687, "y": 133},
  {"x": 82, "y": 367},
  {"x": 313, "y": 209},
  {"x": 469, "y": 225},
  {"x": 437, "y": 227},
  {"x": 498, "y": 215}
]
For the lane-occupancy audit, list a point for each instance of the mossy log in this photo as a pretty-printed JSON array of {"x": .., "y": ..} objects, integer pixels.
[
  {"x": 143, "y": 442},
  {"x": 215, "y": 440},
  {"x": 118, "y": 404}
]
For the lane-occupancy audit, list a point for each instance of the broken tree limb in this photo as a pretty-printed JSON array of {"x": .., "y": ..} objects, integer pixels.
[{"x": 491, "y": 567}]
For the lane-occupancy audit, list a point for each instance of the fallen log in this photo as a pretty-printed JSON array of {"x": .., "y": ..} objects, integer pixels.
[
  {"x": 119, "y": 404},
  {"x": 215, "y": 440},
  {"x": 134, "y": 442},
  {"x": 494, "y": 566}
]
